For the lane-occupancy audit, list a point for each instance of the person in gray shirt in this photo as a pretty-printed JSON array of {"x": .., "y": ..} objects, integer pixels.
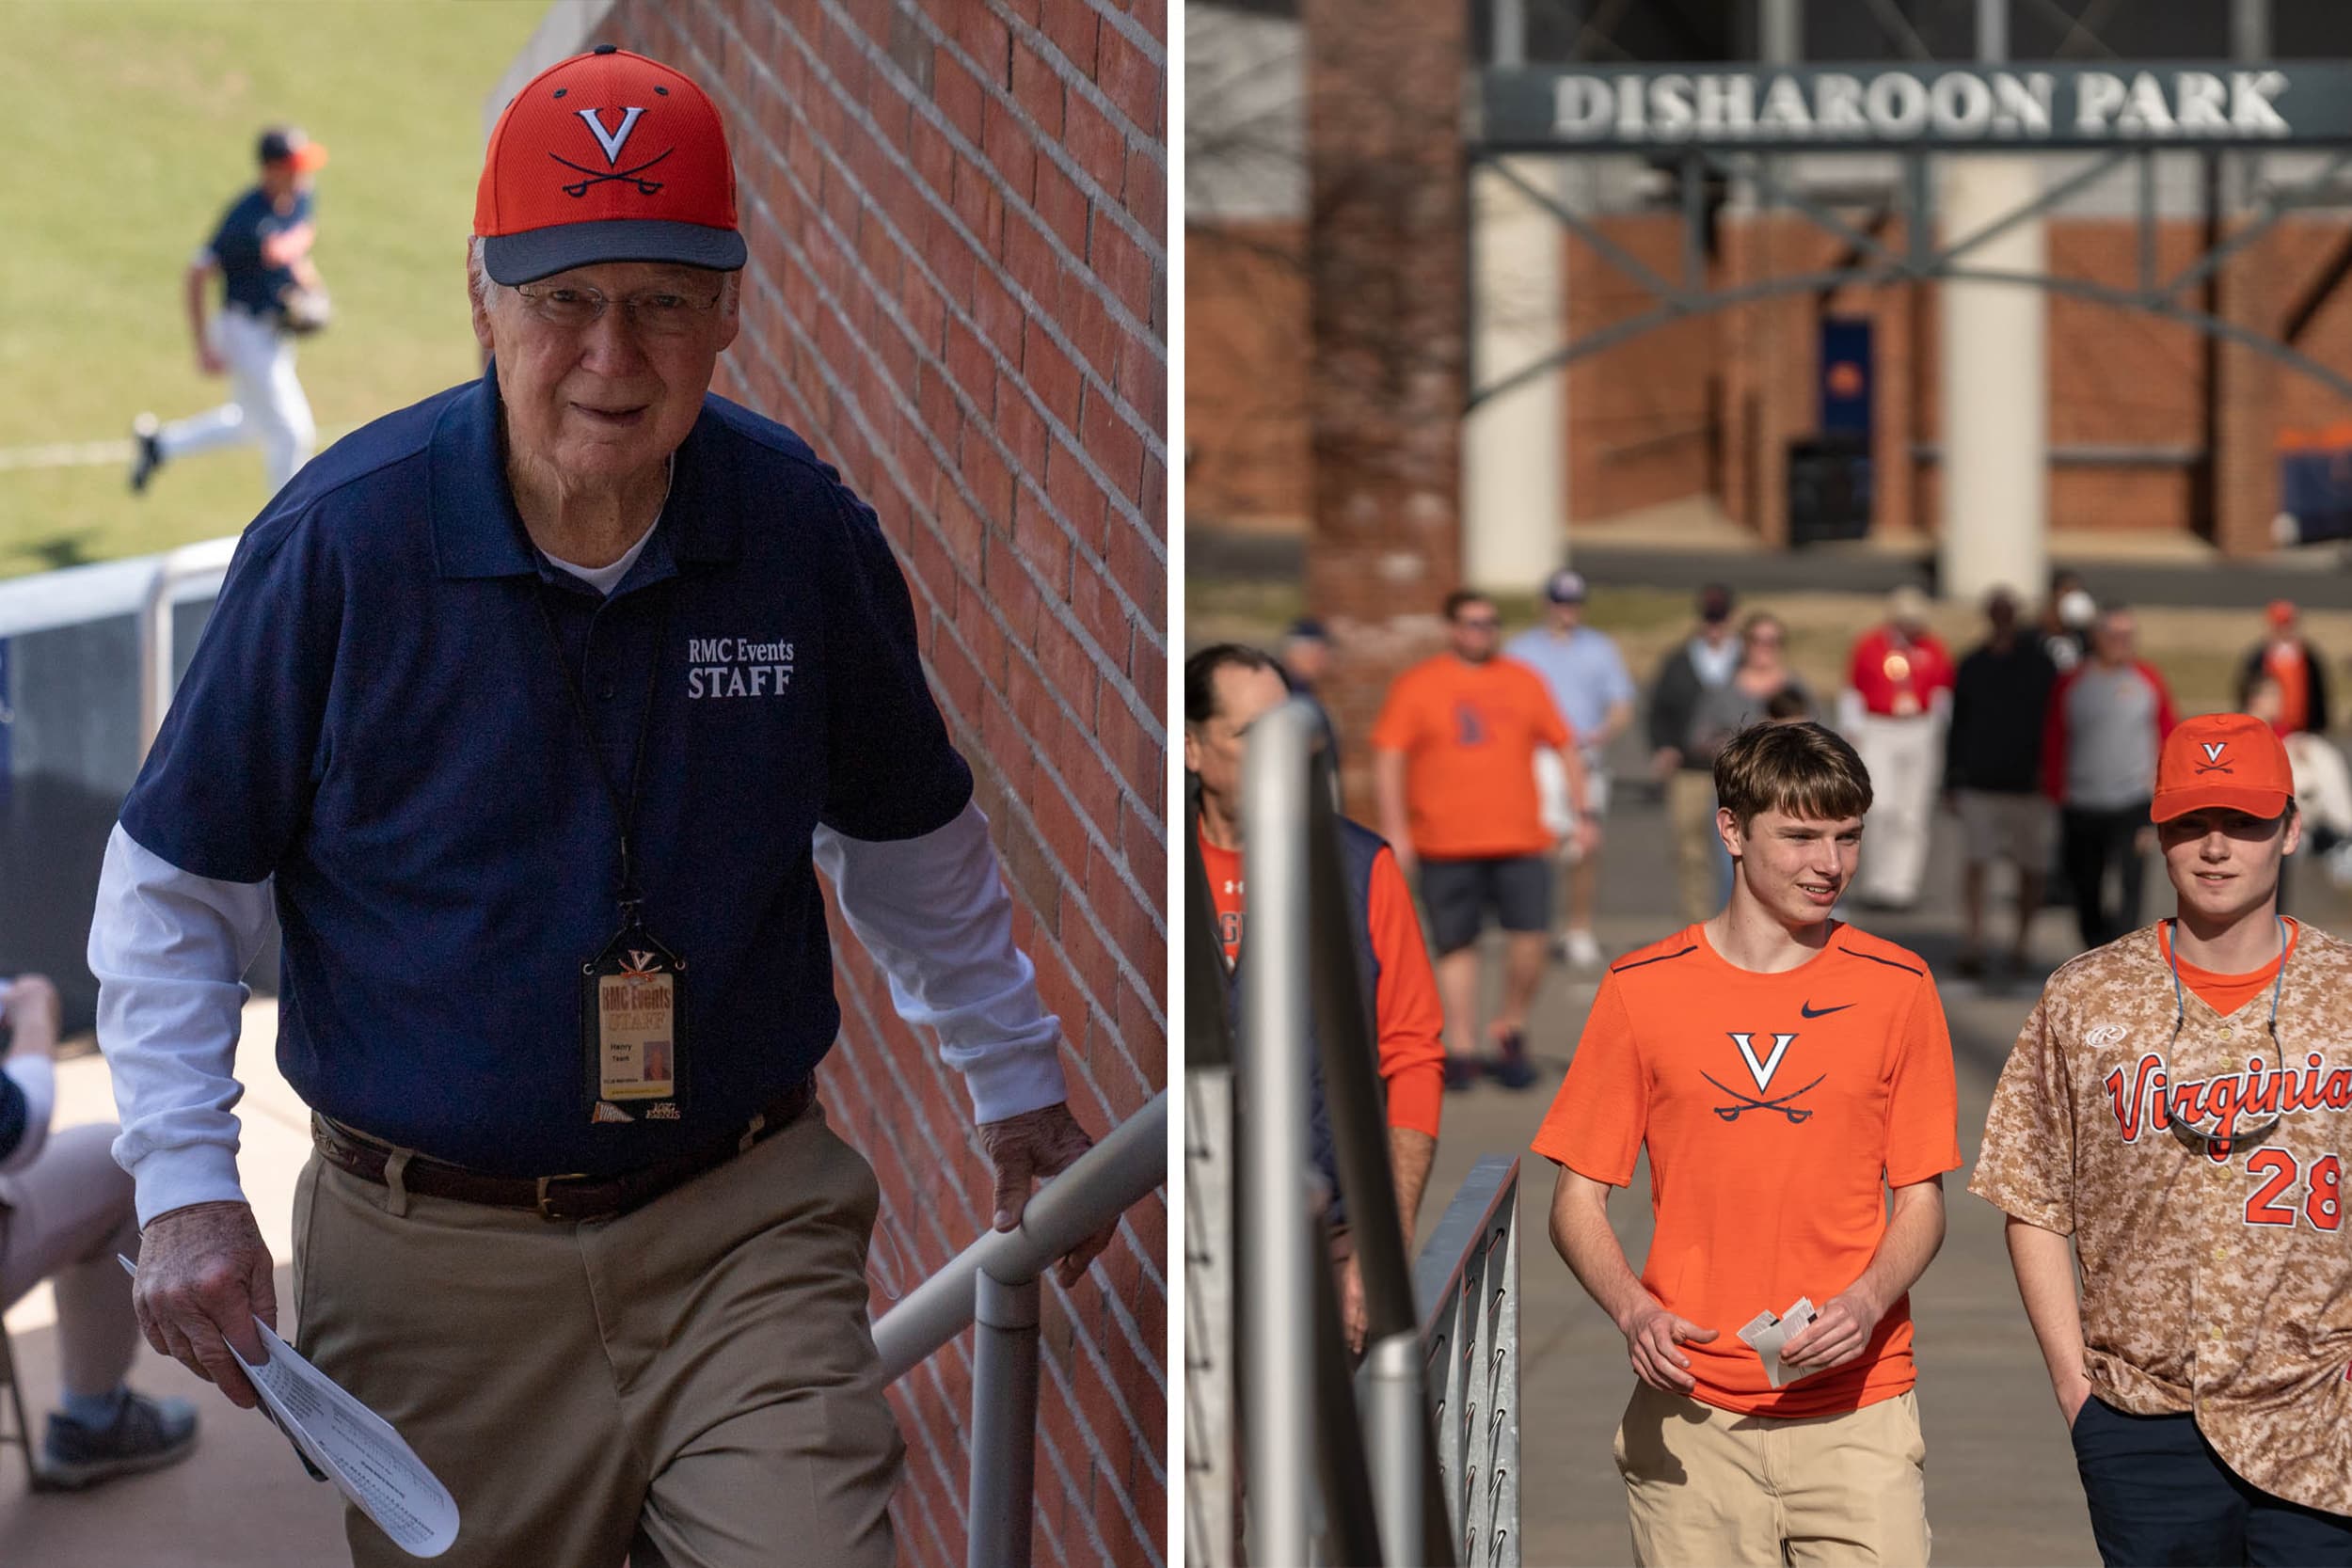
[{"x": 2107, "y": 717}]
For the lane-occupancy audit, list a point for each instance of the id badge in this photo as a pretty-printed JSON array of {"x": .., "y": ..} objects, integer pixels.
[{"x": 632, "y": 1018}]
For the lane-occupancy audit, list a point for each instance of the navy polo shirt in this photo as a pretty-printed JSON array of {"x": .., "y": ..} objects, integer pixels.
[
  {"x": 374, "y": 716},
  {"x": 246, "y": 280}
]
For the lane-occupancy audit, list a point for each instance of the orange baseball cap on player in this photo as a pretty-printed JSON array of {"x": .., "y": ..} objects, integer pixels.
[
  {"x": 2231, "y": 760},
  {"x": 607, "y": 157},
  {"x": 286, "y": 144}
]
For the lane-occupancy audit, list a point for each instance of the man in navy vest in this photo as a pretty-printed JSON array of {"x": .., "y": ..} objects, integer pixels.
[
  {"x": 534, "y": 709},
  {"x": 1227, "y": 688}
]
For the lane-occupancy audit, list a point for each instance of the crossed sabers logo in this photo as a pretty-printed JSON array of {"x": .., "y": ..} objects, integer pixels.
[
  {"x": 1762, "y": 1072},
  {"x": 612, "y": 141},
  {"x": 640, "y": 966},
  {"x": 2213, "y": 749}
]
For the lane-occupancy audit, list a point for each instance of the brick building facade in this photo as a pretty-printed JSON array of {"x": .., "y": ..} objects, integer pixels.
[{"x": 956, "y": 212}]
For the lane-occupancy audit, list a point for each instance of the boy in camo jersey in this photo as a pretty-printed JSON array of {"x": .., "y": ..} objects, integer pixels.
[{"x": 2176, "y": 1107}]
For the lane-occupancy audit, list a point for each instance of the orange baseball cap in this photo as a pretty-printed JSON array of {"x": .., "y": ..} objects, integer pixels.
[
  {"x": 2231, "y": 760},
  {"x": 286, "y": 144},
  {"x": 606, "y": 156}
]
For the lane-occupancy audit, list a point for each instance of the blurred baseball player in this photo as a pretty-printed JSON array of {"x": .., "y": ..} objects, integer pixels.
[
  {"x": 2176, "y": 1107},
  {"x": 270, "y": 294},
  {"x": 1783, "y": 1071}
]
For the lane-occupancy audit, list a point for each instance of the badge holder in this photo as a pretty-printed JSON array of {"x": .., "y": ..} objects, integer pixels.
[{"x": 632, "y": 1013}]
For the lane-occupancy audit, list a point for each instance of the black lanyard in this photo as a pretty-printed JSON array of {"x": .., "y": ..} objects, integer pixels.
[{"x": 626, "y": 812}]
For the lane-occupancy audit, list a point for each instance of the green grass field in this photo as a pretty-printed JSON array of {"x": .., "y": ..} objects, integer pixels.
[{"x": 136, "y": 121}]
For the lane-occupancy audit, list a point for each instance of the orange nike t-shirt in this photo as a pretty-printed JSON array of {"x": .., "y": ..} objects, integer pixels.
[
  {"x": 1407, "y": 1016},
  {"x": 1470, "y": 734},
  {"x": 2226, "y": 994},
  {"x": 1773, "y": 1107}
]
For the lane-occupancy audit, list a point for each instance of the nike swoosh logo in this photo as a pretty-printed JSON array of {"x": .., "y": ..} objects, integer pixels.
[{"x": 1809, "y": 1010}]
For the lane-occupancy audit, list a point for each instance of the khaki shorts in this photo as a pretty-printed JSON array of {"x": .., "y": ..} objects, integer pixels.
[
  {"x": 2019, "y": 828},
  {"x": 1703, "y": 1485}
]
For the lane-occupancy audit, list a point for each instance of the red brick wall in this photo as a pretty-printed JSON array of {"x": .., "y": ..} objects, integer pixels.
[{"x": 958, "y": 293}]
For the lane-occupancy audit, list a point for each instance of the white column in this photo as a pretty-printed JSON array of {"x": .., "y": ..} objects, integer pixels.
[
  {"x": 1515, "y": 488},
  {"x": 1995, "y": 466}
]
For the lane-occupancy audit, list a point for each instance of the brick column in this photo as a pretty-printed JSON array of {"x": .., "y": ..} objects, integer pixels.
[
  {"x": 2250, "y": 294},
  {"x": 1387, "y": 225}
]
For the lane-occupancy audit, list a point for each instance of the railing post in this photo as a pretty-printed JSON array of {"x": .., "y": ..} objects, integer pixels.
[
  {"x": 1277, "y": 1333},
  {"x": 1395, "y": 1417},
  {"x": 157, "y": 658},
  {"x": 1004, "y": 1422}
]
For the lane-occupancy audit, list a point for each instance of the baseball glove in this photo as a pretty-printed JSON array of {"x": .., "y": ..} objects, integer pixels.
[{"x": 302, "y": 311}]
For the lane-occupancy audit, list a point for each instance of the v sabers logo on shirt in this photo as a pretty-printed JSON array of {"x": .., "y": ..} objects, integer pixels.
[
  {"x": 1762, "y": 1056},
  {"x": 727, "y": 667}
]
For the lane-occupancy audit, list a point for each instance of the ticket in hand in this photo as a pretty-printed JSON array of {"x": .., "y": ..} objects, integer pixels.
[{"x": 1767, "y": 1334}]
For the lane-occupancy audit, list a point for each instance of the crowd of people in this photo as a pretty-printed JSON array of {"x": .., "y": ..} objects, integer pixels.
[{"x": 1789, "y": 1078}]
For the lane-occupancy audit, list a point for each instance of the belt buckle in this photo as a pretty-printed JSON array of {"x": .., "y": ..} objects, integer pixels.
[{"x": 547, "y": 1211}]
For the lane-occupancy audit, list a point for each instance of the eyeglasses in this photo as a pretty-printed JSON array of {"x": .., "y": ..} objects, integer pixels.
[
  {"x": 1480, "y": 623},
  {"x": 2206, "y": 1142},
  {"x": 656, "y": 312}
]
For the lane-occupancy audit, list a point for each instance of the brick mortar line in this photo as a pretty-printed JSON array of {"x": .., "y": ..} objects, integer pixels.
[
  {"x": 1012, "y": 798},
  {"x": 1133, "y": 32},
  {"x": 1137, "y": 1528},
  {"x": 1153, "y": 440},
  {"x": 1064, "y": 612},
  {"x": 1116, "y": 859},
  {"x": 879, "y": 59}
]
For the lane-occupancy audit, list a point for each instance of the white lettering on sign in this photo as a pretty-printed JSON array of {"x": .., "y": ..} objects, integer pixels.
[
  {"x": 726, "y": 667},
  {"x": 2152, "y": 105}
]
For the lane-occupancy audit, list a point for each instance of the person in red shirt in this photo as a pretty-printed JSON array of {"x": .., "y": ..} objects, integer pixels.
[
  {"x": 1227, "y": 688},
  {"x": 1454, "y": 762},
  {"x": 1783, "y": 1071},
  {"x": 1898, "y": 695}
]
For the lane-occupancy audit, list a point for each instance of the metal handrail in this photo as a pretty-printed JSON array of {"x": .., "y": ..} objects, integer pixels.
[
  {"x": 993, "y": 1283},
  {"x": 1466, "y": 1282},
  {"x": 175, "y": 571}
]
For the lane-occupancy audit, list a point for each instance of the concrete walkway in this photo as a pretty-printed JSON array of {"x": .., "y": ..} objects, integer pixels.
[
  {"x": 2001, "y": 1479},
  {"x": 243, "y": 1500}
]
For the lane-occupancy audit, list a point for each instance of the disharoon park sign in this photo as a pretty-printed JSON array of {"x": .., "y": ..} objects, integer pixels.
[{"x": 1954, "y": 108}]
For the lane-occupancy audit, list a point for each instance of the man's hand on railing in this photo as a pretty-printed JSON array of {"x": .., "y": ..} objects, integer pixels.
[{"x": 1030, "y": 1147}]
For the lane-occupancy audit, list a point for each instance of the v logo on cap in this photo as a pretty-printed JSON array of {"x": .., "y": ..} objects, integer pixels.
[{"x": 611, "y": 141}]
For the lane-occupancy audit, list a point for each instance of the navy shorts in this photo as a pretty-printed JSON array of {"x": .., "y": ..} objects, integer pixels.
[
  {"x": 2159, "y": 1494},
  {"x": 1459, "y": 894}
]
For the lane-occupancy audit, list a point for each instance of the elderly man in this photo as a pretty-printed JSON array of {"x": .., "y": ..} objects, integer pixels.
[{"x": 539, "y": 703}]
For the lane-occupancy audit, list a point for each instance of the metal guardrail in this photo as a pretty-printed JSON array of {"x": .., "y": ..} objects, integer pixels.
[
  {"x": 993, "y": 1282},
  {"x": 192, "y": 571},
  {"x": 1467, "y": 1283}
]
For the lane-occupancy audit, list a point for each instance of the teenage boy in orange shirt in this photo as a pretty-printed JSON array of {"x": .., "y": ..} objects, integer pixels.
[{"x": 1784, "y": 1071}]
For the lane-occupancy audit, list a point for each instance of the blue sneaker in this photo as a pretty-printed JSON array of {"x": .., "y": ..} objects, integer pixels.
[{"x": 145, "y": 1434}]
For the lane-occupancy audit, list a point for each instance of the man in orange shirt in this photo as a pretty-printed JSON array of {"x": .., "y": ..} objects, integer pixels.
[
  {"x": 1454, "y": 762},
  {"x": 1783, "y": 1069},
  {"x": 1227, "y": 688}
]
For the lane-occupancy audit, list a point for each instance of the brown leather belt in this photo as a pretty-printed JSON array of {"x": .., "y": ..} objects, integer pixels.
[{"x": 553, "y": 1198}]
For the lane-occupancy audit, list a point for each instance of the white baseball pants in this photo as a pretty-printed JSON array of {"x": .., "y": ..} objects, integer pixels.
[
  {"x": 266, "y": 406},
  {"x": 1905, "y": 757}
]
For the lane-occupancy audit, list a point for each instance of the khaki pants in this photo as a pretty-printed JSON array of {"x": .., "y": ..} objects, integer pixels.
[
  {"x": 1691, "y": 819},
  {"x": 694, "y": 1382},
  {"x": 1704, "y": 1486}
]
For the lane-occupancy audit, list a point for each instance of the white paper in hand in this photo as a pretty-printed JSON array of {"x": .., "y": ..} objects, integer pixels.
[
  {"x": 367, "y": 1459},
  {"x": 1767, "y": 1334}
]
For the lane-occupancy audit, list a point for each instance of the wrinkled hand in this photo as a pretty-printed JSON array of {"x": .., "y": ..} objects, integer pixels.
[
  {"x": 204, "y": 1275},
  {"x": 1650, "y": 1338},
  {"x": 1030, "y": 1147},
  {"x": 1836, "y": 1335},
  {"x": 1355, "y": 1319},
  {"x": 33, "y": 1013}
]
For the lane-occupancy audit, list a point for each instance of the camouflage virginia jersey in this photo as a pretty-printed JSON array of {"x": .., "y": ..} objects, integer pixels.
[{"x": 2215, "y": 1284}]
